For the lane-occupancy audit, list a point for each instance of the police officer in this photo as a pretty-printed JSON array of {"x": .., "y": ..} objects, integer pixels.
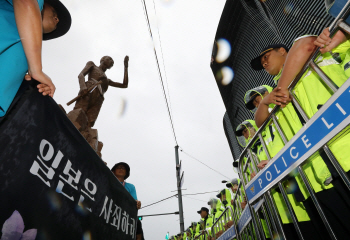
[
  {"x": 206, "y": 220},
  {"x": 215, "y": 212},
  {"x": 312, "y": 94}
]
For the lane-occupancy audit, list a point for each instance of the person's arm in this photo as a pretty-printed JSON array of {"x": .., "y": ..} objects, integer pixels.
[
  {"x": 262, "y": 164},
  {"x": 134, "y": 195},
  {"x": 29, "y": 26},
  {"x": 262, "y": 112},
  {"x": 296, "y": 59},
  {"x": 326, "y": 43},
  {"x": 126, "y": 76}
]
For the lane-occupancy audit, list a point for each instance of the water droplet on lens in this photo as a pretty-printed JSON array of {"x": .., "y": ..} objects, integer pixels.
[
  {"x": 225, "y": 75},
  {"x": 224, "y": 50}
]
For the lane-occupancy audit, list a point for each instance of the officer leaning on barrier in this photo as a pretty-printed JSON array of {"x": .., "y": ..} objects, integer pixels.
[
  {"x": 333, "y": 7},
  {"x": 179, "y": 236},
  {"x": 215, "y": 212},
  {"x": 311, "y": 95},
  {"x": 244, "y": 133},
  {"x": 225, "y": 196},
  {"x": 206, "y": 220},
  {"x": 188, "y": 234},
  {"x": 253, "y": 98},
  {"x": 233, "y": 185},
  {"x": 193, "y": 228}
]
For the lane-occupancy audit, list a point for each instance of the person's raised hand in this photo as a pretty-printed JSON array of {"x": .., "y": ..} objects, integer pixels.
[
  {"x": 243, "y": 204},
  {"x": 326, "y": 43},
  {"x": 126, "y": 61},
  {"x": 138, "y": 204},
  {"x": 282, "y": 96},
  {"x": 46, "y": 87},
  {"x": 276, "y": 96},
  {"x": 252, "y": 175},
  {"x": 262, "y": 164}
]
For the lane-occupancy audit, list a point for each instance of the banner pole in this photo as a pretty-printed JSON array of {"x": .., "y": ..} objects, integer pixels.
[{"x": 182, "y": 227}]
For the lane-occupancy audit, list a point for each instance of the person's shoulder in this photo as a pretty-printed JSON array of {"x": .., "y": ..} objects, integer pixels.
[
  {"x": 304, "y": 36},
  {"x": 130, "y": 185},
  {"x": 40, "y": 3}
]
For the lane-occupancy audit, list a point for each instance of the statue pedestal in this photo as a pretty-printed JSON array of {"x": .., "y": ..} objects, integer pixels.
[{"x": 80, "y": 121}]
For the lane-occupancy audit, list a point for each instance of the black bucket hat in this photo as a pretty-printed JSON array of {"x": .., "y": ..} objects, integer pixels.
[
  {"x": 203, "y": 209},
  {"x": 256, "y": 62},
  {"x": 64, "y": 17},
  {"x": 126, "y": 167}
]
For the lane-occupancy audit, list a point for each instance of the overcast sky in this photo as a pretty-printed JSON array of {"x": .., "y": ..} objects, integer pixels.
[{"x": 141, "y": 134}]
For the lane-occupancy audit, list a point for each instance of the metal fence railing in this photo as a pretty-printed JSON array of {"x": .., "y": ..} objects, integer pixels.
[
  {"x": 203, "y": 235},
  {"x": 272, "y": 176},
  {"x": 260, "y": 218}
]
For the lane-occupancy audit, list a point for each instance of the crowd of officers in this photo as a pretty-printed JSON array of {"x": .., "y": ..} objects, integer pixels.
[
  {"x": 208, "y": 217},
  {"x": 311, "y": 94}
]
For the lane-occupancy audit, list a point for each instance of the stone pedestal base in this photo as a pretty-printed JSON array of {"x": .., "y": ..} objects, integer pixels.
[{"x": 80, "y": 121}]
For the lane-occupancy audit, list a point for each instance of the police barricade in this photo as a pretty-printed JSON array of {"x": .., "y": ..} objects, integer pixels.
[
  {"x": 311, "y": 139},
  {"x": 219, "y": 224},
  {"x": 203, "y": 235}
]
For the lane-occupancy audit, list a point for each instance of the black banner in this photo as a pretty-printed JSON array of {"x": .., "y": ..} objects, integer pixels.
[{"x": 52, "y": 177}]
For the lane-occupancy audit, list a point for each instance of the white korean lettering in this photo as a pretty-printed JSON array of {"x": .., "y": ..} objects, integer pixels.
[
  {"x": 116, "y": 216},
  {"x": 92, "y": 189},
  {"x": 50, "y": 151},
  {"x": 125, "y": 222},
  {"x": 39, "y": 168},
  {"x": 133, "y": 227},
  {"x": 67, "y": 170},
  {"x": 106, "y": 210}
]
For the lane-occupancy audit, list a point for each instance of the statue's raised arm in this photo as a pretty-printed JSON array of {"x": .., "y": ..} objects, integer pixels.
[{"x": 126, "y": 76}]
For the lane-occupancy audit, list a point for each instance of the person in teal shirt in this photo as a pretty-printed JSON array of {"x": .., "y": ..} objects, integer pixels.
[
  {"x": 23, "y": 26},
  {"x": 122, "y": 171}
]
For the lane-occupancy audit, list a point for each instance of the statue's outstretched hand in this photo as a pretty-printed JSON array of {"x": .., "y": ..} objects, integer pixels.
[{"x": 126, "y": 61}]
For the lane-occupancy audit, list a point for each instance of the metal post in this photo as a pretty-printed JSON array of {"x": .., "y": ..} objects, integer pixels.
[{"x": 179, "y": 193}]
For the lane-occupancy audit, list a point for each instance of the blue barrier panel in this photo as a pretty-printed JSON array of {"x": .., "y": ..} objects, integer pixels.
[
  {"x": 326, "y": 123},
  {"x": 244, "y": 219},
  {"x": 258, "y": 205},
  {"x": 229, "y": 234}
]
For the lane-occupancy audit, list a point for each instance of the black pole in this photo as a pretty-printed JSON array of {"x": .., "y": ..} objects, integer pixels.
[{"x": 182, "y": 226}]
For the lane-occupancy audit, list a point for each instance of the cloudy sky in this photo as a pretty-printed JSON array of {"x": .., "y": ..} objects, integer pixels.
[{"x": 139, "y": 133}]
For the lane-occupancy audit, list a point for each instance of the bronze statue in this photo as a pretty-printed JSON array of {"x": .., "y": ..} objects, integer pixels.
[
  {"x": 88, "y": 104},
  {"x": 92, "y": 102}
]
